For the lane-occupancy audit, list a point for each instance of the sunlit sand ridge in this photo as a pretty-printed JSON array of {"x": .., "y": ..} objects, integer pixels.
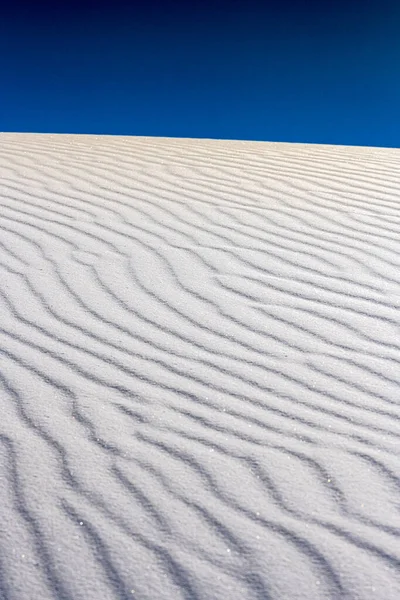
[{"x": 199, "y": 370}]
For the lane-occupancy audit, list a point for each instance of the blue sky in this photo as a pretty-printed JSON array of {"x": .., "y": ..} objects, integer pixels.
[{"x": 321, "y": 72}]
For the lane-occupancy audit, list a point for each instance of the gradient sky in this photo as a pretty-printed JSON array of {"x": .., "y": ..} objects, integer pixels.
[{"x": 297, "y": 71}]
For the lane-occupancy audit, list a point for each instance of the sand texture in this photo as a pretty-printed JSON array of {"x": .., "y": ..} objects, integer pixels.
[{"x": 199, "y": 370}]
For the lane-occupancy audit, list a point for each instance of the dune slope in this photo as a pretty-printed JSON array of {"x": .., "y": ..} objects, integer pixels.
[{"x": 199, "y": 370}]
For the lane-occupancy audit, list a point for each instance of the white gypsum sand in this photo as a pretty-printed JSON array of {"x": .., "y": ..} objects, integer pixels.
[{"x": 199, "y": 370}]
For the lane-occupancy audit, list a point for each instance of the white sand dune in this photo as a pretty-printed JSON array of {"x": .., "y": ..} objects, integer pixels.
[{"x": 199, "y": 370}]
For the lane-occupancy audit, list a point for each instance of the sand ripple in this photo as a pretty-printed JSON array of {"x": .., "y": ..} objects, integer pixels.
[{"x": 199, "y": 370}]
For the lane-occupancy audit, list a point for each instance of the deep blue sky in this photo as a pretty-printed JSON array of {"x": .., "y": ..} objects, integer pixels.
[{"x": 323, "y": 72}]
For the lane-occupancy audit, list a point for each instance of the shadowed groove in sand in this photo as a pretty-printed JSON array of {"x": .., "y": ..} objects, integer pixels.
[{"x": 199, "y": 370}]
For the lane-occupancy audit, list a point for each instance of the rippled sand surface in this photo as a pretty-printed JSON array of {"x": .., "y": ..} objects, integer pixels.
[{"x": 199, "y": 370}]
